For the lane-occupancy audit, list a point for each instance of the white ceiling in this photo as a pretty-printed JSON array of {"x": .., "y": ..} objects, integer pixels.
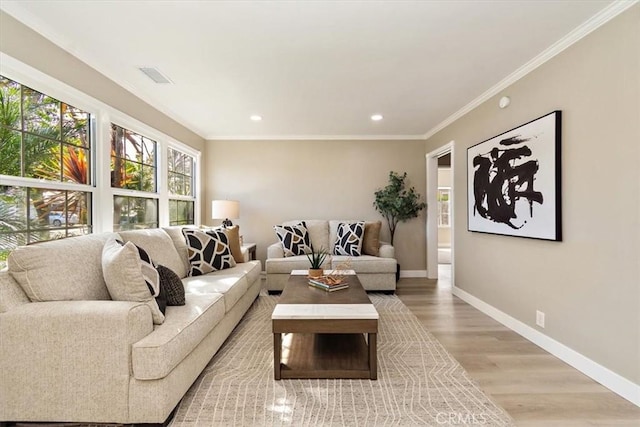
[{"x": 312, "y": 69}]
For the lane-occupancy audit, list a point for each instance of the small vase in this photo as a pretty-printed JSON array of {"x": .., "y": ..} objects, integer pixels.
[{"x": 315, "y": 272}]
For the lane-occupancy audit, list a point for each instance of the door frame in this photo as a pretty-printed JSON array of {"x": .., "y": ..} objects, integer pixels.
[{"x": 432, "y": 209}]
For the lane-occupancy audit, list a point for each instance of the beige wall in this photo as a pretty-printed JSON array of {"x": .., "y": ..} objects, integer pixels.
[
  {"x": 282, "y": 180},
  {"x": 589, "y": 284},
  {"x": 24, "y": 44}
]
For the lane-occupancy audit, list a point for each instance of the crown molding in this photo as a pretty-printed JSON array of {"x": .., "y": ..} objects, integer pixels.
[
  {"x": 595, "y": 22},
  {"x": 315, "y": 137},
  {"x": 604, "y": 16}
]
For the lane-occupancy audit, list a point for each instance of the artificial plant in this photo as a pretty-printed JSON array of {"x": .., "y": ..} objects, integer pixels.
[
  {"x": 316, "y": 258},
  {"x": 396, "y": 202}
]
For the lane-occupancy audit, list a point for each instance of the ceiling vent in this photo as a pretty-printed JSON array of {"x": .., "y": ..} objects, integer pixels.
[{"x": 155, "y": 75}]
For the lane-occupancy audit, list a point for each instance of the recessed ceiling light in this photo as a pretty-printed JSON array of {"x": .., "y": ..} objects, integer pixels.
[
  {"x": 256, "y": 118},
  {"x": 376, "y": 117}
]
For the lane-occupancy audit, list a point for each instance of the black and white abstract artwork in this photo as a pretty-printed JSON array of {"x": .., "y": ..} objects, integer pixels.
[{"x": 514, "y": 181}]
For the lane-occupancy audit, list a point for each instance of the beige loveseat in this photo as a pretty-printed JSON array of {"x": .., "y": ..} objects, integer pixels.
[
  {"x": 78, "y": 356},
  {"x": 376, "y": 273}
]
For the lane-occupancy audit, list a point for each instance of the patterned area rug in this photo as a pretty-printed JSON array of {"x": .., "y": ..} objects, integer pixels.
[{"x": 419, "y": 382}]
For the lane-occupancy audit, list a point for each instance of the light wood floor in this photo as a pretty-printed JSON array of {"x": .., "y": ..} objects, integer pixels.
[{"x": 534, "y": 387}]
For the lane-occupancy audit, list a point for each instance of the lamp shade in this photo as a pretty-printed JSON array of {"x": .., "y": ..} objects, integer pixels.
[{"x": 225, "y": 209}]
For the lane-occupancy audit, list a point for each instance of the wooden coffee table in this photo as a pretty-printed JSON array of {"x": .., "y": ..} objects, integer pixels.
[{"x": 324, "y": 331}]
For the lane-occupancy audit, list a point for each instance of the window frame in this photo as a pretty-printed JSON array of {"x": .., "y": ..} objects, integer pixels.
[
  {"x": 41, "y": 83},
  {"x": 102, "y": 115},
  {"x": 174, "y": 145}
]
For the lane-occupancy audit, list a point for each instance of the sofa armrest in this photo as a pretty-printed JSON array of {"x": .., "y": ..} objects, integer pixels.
[
  {"x": 66, "y": 359},
  {"x": 386, "y": 250},
  {"x": 275, "y": 251}
]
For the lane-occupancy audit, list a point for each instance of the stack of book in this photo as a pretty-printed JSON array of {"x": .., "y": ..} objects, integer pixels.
[{"x": 327, "y": 284}]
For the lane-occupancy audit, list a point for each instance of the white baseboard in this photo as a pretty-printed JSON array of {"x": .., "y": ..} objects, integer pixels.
[
  {"x": 599, "y": 373},
  {"x": 413, "y": 273}
]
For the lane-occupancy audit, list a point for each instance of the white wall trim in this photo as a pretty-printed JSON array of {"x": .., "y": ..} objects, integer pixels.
[
  {"x": 431, "y": 226},
  {"x": 314, "y": 137},
  {"x": 616, "y": 383},
  {"x": 413, "y": 273},
  {"x": 595, "y": 22}
]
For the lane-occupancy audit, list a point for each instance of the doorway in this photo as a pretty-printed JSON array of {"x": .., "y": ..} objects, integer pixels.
[{"x": 440, "y": 224}]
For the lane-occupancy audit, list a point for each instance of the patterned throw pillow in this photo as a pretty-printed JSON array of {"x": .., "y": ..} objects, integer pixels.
[
  {"x": 151, "y": 277},
  {"x": 349, "y": 239},
  {"x": 171, "y": 283},
  {"x": 294, "y": 239},
  {"x": 208, "y": 251},
  {"x": 121, "y": 269}
]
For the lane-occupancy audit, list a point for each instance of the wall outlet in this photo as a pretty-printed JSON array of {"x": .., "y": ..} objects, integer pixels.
[{"x": 540, "y": 318}]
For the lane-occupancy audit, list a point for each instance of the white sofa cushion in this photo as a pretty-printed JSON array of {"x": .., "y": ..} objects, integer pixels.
[
  {"x": 62, "y": 270},
  {"x": 230, "y": 282},
  {"x": 366, "y": 263},
  {"x": 159, "y": 245},
  {"x": 156, "y": 355},
  {"x": 252, "y": 270}
]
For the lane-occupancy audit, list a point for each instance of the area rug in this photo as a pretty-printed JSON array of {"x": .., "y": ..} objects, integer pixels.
[{"x": 419, "y": 382}]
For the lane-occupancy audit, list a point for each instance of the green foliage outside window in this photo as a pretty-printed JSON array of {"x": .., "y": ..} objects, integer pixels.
[
  {"x": 42, "y": 138},
  {"x": 133, "y": 160}
]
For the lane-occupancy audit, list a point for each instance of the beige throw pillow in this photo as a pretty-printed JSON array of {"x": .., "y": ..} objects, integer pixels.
[
  {"x": 233, "y": 234},
  {"x": 122, "y": 270},
  {"x": 371, "y": 241}
]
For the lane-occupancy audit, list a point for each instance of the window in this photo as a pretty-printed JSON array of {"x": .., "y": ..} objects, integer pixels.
[
  {"x": 134, "y": 212},
  {"x": 180, "y": 176},
  {"x": 45, "y": 151},
  {"x": 63, "y": 173},
  {"x": 443, "y": 207},
  {"x": 133, "y": 160},
  {"x": 133, "y": 167},
  {"x": 180, "y": 212}
]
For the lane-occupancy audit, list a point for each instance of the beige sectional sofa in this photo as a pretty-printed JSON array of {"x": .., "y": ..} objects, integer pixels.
[
  {"x": 69, "y": 353},
  {"x": 376, "y": 273}
]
